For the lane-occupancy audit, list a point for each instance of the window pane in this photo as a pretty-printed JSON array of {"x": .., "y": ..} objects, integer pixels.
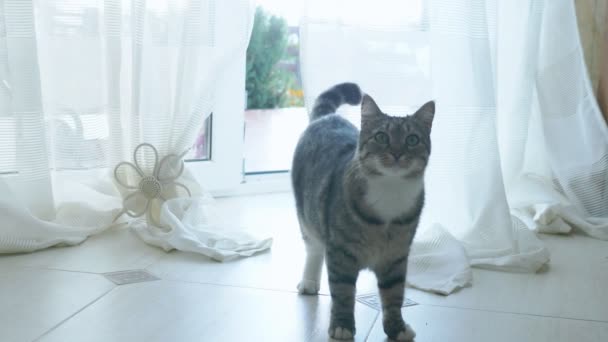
[{"x": 201, "y": 149}]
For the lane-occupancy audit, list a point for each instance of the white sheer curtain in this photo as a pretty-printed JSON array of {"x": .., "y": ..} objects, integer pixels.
[
  {"x": 519, "y": 145},
  {"x": 83, "y": 85}
]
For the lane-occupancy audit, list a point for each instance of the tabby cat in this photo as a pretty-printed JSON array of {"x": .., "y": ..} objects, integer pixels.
[{"x": 359, "y": 195}]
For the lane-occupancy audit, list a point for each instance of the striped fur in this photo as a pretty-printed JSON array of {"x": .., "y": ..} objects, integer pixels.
[
  {"x": 329, "y": 101},
  {"x": 359, "y": 196}
]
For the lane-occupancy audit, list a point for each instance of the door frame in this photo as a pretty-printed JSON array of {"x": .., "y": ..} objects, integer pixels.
[{"x": 224, "y": 170}]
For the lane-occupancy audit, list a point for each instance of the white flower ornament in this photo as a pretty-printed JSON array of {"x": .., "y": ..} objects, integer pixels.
[{"x": 147, "y": 188}]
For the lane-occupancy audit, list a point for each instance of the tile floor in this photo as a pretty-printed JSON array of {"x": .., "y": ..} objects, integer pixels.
[{"x": 61, "y": 295}]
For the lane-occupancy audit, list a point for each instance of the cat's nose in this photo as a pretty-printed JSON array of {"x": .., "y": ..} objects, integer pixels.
[{"x": 396, "y": 155}]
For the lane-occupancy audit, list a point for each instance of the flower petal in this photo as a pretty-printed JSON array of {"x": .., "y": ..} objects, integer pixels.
[
  {"x": 154, "y": 212},
  {"x": 175, "y": 190},
  {"x": 170, "y": 168},
  {"x": 127, "y": 175},
  {"x": 136, "y": 204},
  {"x": 182, "y": 190},
  {"x": 145, "y": 157}
]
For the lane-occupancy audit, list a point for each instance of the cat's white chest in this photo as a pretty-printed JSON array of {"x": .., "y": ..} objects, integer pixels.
[{"x": 391, "y": 197}]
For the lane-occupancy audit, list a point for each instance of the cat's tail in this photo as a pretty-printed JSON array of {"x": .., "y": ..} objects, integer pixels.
[{"x": 329, "y": 101}]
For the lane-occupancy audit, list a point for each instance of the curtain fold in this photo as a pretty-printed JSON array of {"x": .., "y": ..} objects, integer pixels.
[
  {"x": 100, "y": 102},
  {"x": 519, "y": 145}
]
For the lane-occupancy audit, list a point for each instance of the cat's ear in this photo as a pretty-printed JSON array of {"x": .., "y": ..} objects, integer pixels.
[
  {"x": 426, "y": 113},
  {"x": 369, "y": 107}
]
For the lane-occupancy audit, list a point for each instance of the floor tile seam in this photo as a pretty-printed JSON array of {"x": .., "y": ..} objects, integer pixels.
[
  {"x": 512, "y": 313},
  {"x": 369, "y": 332},
  {"x": 74, "y": 314},
  {"x": 65, "y": 270},
  {"x": 233, "y": 286}
]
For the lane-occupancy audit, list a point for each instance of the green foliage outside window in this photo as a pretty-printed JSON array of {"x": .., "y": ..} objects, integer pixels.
[{"x": 268, "y": 84}]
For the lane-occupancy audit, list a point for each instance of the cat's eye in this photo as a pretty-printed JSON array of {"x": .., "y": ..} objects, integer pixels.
[
  {"x": 381, "y": 137},
  {"x": 412, "y": 140}
]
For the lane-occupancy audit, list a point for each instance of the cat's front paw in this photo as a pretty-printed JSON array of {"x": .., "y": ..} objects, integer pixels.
[
  {"x": 308, "y": 287},
  {"x": 406, "y": 335},
  {"x": 340, "y": 333},
  {"x": 397, "y": 330}
]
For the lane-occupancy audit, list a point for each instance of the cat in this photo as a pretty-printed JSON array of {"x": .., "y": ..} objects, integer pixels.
[{"x": 359, "y": 196}]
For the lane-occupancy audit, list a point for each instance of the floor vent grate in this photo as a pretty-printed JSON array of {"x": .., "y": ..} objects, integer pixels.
[
  {"x": 373, "y": 301},
  {"x": 130, "y": 277}
]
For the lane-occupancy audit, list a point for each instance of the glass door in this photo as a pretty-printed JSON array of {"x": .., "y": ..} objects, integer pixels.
[{"x": 275, "y": 115}]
